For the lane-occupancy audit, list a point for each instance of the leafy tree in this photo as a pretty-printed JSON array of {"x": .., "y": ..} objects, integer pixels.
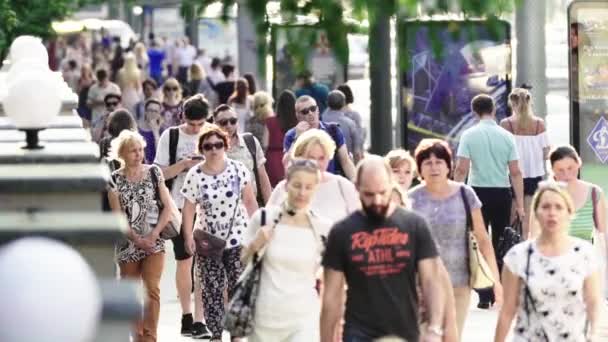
[{"x": 33, "y": 17}]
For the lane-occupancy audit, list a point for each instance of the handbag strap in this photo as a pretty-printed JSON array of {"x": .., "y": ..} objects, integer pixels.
[
  {"x": 528, "y": 299},
  {"x": 467, "y": 209},
  {"x": 155, "y": 184},
  {"x": 238, "y": 199},
  {"x": 257, "y": 256}
]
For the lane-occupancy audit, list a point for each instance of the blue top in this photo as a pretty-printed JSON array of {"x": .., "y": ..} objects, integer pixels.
[
  {"x": 318, "y": 92},
  {"x": 156, "y": 57},
  {"x": 338, "y": 137},
  {"x": 150, "y": 150},
  {"x": 490, "y": 148}
]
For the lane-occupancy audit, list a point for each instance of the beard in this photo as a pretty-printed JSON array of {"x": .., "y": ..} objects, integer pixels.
[{"x": 376, "y": 213}]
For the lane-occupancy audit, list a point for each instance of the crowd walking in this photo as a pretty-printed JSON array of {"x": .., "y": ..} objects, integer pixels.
[{"x": 285, "y": 229}]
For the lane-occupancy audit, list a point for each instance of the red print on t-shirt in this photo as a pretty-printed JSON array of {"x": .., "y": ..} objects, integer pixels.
[{"x": 380, "y": 253}]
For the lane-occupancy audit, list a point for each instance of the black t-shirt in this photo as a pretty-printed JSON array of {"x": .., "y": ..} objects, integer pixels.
[{"x": 379, "y": 262}]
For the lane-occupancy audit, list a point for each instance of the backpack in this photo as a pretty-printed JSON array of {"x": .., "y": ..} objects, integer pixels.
[
  {"x": 333, "y": 130},
  {"x": 251, "y": 146},
  {"x": 173, "y": 140}
]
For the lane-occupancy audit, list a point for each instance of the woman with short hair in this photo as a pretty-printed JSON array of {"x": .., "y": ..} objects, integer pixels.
[
  {"x": 141, "y": 255},
  {"x": 336, "y": 196},
  {"x": 551, "y": 282},
  {"x": 219, "y": 191},
  {"x": 288, "y": 307},
  {"x": 440, "y": 201}
]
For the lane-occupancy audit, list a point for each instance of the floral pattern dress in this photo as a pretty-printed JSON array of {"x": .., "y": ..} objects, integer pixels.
[{"x": 136, "y": 199}]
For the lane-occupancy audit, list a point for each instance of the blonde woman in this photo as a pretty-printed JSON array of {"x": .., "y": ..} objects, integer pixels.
[
  {"x": 199, "y": 84},
  {"x": 130, "y": 79},
  {"x": 551, "y": 282},
  {"x": 532, "y": 145},
  {"x": 403, "y": 166},
  {"x": 288, "y": 307},
  {"x": 262, "y": 110},
  {"x": 336, "y": 196},
  {"x": 141, "y": 256},
  {"x": 141, "y": 57},
  {"x": 172, "y": 104}
]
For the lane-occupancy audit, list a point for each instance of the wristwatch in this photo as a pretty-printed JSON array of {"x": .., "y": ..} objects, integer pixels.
[{"x": 435, "y": 329}]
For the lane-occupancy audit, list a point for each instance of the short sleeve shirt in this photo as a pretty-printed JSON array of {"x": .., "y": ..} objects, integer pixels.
[
  {"x": 338, "y": 137},
  {"x": 556, "y": 285},
  {"x": 490, "y": 148},
  {"x": 241, "y": 153},
  {"x": 380, "y": 261},
  {"x": 219, "y": 207}
]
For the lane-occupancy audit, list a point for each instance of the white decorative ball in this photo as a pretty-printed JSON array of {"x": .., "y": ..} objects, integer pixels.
[
  {"x": 48, "y": 293},
  {"x": 32, "y": 99},
  {"x": 24, "y": 47}
]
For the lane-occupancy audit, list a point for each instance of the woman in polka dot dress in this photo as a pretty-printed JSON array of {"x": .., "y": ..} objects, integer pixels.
[{"x": 219, "y": 191}]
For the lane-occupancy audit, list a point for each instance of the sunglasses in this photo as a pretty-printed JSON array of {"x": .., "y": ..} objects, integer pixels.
[
  {"x": 210, "y": 146},
  {"x": 171, "y": 89},
  {"x": 225, "y": 122},
  {"x": 111, "y": 104},
  {"x": 304, "y": 163},
  {"x": 311, "y": 109}
]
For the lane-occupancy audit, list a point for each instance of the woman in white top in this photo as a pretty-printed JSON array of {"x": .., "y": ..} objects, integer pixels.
[
  {"x": 532, "y": 145},
  {"x": 551, "y": 282},
  {"x": 291, "y": 236},
  {"x": 130, "y": 79},
  {"x": 336, "y": 196}
]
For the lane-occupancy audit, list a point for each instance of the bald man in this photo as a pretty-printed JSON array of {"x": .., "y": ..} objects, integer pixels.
[{"x": 378, "y": 251}]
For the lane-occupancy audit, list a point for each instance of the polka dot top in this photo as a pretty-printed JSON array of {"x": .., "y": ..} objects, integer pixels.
[{"x": 216, "y": 198}]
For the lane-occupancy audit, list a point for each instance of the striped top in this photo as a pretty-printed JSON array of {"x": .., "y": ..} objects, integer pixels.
[{"x": 583, "y": 224}]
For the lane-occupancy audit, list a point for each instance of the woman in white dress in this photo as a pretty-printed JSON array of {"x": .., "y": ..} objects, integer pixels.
[
  {"x": 291, "y": 235},
  {"x": 552, "y": 282},
  {"x": 336, "y": 196}
]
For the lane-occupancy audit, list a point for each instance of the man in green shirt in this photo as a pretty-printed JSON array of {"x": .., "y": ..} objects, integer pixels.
[{"x": 488, "y": 155}]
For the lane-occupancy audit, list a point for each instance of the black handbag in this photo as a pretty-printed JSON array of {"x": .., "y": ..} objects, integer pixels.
[
  {"x": 172, "y": 229},
  {"x": 510, "y": 237}
]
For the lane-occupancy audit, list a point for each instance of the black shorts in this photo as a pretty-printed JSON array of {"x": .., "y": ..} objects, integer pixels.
[
  {"x": 531, "y": 185},
  {"x": 179, "y": 246}
]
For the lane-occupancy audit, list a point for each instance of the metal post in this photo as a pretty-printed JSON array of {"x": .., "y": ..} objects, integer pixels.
[
  {"x": 380, "y": 79},
  {"x": 531, "y": 62},
  {"x": 248, "y": 58}
]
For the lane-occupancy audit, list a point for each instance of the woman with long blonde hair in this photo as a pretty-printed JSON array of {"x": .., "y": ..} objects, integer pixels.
[
  {"x": 532, "y": 144},
  {"x": 129, "y": 80},
  {"x": 141, "y": 57}
]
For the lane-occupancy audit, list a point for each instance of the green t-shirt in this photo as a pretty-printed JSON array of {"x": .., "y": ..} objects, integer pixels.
[{"x": 490, "y": 148}]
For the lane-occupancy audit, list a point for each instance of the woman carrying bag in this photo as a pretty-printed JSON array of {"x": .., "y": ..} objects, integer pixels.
[
  {"x": 219, "y": 190},
  {"x": 289, "y": 240}
]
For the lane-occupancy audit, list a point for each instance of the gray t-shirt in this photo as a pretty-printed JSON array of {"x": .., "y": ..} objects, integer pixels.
[
  {"x": 347, "y": 126},
  {"x": 448, "y": 224}
]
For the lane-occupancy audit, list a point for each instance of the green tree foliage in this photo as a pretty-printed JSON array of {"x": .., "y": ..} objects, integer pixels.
[{"x": 33, "y": 17}]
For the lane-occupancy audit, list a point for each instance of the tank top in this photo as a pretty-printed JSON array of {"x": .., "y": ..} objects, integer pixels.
[{"x": 583, "y": 223}]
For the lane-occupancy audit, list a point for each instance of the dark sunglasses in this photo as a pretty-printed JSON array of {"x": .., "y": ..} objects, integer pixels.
[
  {"x": 111, "y": 104},
  {"x": 210, "y": 146},
  {"x": 171, "y": 89},
  {"x": 310, "y": 109},
  {"x": 225, "y": 122}
]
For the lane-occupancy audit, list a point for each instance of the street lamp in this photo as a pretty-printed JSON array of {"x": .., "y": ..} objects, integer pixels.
[{"x": 32, "y": 95}]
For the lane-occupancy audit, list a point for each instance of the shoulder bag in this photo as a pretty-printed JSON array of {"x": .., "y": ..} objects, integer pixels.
[
  {"x": 173, "y": 227},
  {"x": 510, "y": 237},
  {"x": 209, "y": 245},
  {"x": 480, "y": 273},
  {"x": 239, "y": 318}
]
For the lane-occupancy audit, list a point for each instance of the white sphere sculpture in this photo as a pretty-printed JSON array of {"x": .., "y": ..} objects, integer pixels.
[
  {"x": 28, "y": 47},
  {"x": 48, "y": 293}
]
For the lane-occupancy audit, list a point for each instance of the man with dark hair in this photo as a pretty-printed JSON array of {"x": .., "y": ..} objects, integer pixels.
[
  {"x": 215, "y": 75},
  {"x": 149, "y": 126},
  {"x": 96, "y": 96},
  {"x": 112, "y": 101},
  {"x": 378, "y": 252},
  {"x": 307, "y": 113},
  {"x": 225, "y": 88},
  {"x": 306, "y": 85},
  {"x": 335, "y": 103},
  {"x": 489, "y": 152},
  {"x": 176, "y": 155}
]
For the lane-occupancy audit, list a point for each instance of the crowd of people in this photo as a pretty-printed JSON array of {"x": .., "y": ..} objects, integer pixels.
[{"x": 354, "y": 247}]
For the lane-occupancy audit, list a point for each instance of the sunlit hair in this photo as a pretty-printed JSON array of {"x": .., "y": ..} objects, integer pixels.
[
  {"x": 130, "y": 73},
  {"x": 561, "y": 152},
  {"x": 556, "y": 187},
  {"x": 398, "y": 156},
  {"x": 396, "y": 190},
  {"x": 262, "y": 105},
  {"x": 306, "y": 165},
  {"x": 313, "y": 137},
  {"x": 519, "y": 101},
  {"x": 125, "y": 139},
  {"x": 437, "y": 147},
  {"x": 172, "y": 82},
  {"x": 210, "y": 130},
  {"x": 196, "y": 72},
  {"x": 140, "y": 52},
  {"x": 368, "y": 160}
]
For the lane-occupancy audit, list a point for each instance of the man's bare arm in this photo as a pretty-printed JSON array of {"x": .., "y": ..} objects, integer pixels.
[
  {"x": 429, "y": 271},
  {"x": 462, "y": 169},
  {"x": 333, "y": 291}
]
